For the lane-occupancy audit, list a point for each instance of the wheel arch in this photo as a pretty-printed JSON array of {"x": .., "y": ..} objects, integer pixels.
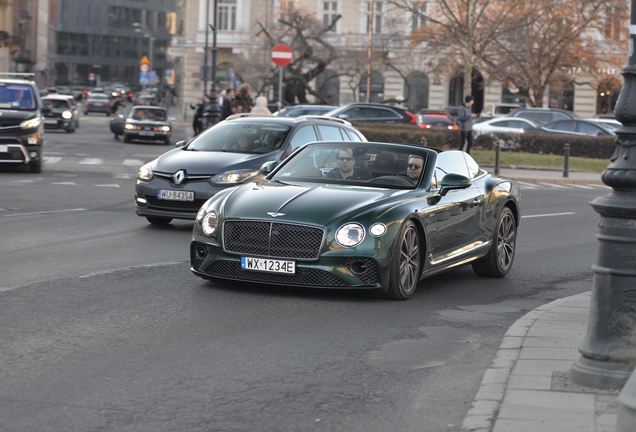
[
  {"x": 423, "y": 241},
  {"x": 515, "y": 211}
]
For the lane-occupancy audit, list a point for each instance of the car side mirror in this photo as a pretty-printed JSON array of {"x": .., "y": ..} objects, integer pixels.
[
  {"x": 268, "y": 167},
  {"x": 453, "y": 182},
  {"x": 343, "y": 116},
  {"x": 180, "y": 144}
]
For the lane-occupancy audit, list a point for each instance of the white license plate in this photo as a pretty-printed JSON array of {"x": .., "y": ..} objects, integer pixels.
[
  {"x": 50, "y": 121},
  {"x": 268, "y": 265},
  {"x": 4, "y": 148},
  {"x": 98, "y": 104},
  {"x": 147, "y": 133},
  {"x": 174, "y": 195}
]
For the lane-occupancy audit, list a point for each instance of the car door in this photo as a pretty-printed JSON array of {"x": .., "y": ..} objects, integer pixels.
[{"x": 458, "y": 213}]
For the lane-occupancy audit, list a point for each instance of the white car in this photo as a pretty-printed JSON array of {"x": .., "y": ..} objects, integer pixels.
[
  {"x": 511, "y": 126},
  {"x": 610, "y": 123}
]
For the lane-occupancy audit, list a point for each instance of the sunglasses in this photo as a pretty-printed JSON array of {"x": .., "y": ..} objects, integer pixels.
[
  {"x": 414, "y": 166},
  {"x": 345, "y": 159}
]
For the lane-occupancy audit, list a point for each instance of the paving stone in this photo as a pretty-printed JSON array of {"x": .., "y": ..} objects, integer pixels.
[
  {"x": 491, "y": 392},
  {"x": 511, "y": 342},
  {"x": 560, "y": 325},
  {"x": 531, "y": 382},
  {"x": 579, "y": 317},
  {"x": 472, "y": 423},
  {"x": 483, "y": 408},
  {"x": 549, "y": 353},
  {"x": 496, "y": 376},
  {"x": 551, "y": 332},
  {"x": 579, "y": 417},
  {"x": 541, "y": 367},
  {"x": 550, "y": 399},
  {"x": 506, "y": 425},
  {"x": 606, "y": 419},
  {"x": 555, "y": 342},
  {"x": 570, "y": 309}
]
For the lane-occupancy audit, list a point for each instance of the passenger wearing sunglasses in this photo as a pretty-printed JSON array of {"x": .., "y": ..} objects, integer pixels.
[
  {"x": 414, "y": 167},
  {"x": 346, "y": 169}
]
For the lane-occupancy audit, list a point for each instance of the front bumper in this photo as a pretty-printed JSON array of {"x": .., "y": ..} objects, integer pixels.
[
  {"x": 22, "y": 149},
  {"x": 150, "y": 135},
  {"x": 64, "y": 124}
]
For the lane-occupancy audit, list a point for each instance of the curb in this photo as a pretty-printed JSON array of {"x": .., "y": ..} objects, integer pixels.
[
  {"x": 559, "y": 180},
  {"x": 484, "y": 410}
]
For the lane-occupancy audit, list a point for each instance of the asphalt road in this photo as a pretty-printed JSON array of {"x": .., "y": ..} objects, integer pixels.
[{"x": 105, "y": 328}]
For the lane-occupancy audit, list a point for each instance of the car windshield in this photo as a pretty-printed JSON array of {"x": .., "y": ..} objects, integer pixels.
[
  {"x": 56, "y": 103},
  {"x": 15, "y": 96},
  {"x": 361, "y": 164},
  {"x": 148, "y": 114},
  {"x": 242, "y": 137}
]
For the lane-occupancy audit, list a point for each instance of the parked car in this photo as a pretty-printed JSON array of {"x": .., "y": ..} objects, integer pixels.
[
  {"x": 372, "y": 113},
  {"x": 21, "y": 127},
  {"x": 504, "y": 131},
  {"x": 59, "y": 113},
  {"x": 543, "y": 115},
  {"x": 452, "y": 111},
  {"x": 573, "y": 127},
  {"x": 499, "y": 109},
  {"x": 299, "y": 227},
  {"x": 97, "y": 102},
  {"x": 146, "y": 123},
  {"x": 608, "y": 122},
  {"x": 434, "y": 120},
  {"x": 175, "y": 185},
  {"x": 300, "y": 110}
]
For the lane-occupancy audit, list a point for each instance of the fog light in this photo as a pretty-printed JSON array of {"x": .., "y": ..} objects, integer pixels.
[
  {"x": 358, "y": 267},
  {"x": 33, "y": 154},
  {"x": 141, "y": 200},
  {"x": 201, "y": 252}
]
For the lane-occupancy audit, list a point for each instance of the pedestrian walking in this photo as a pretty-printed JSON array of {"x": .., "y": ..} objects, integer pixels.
[
  {"x": 242, "y": 103},
  {"x": 261, "y": 106},
  {"x": 226, "y": 107},
  {"x": 197, "y": 121},
  {"x": 465, "y": 118}
]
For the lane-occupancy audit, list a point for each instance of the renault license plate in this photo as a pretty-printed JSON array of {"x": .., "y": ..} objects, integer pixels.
[
  {"x": 268, "y": 265},
  {"x": 174, "y": 195}
]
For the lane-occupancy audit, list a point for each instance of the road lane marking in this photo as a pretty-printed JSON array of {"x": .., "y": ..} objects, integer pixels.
[
  {"x": 555, "y": 185},
  {"x": 599, "y": 186},
  {"x": 91, "y": 161},
  {"x": 581, "y": 186},
  {"x": 133, "y": 162},
  {"x": 528, "y": 185},
  {"x": 52, "y": 159},
  {"x": 65, "y": 183},
  {"x": 105, "y": 272},
  {"x": 46, "y": 212},
  {"x": 548, "y": 214},
  {"x": 107, "y": 185}
]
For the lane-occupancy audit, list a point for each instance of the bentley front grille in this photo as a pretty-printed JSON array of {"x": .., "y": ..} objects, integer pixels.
[
  {"x": 303, "y": 276},
  {"x": 273, "y": 239}
]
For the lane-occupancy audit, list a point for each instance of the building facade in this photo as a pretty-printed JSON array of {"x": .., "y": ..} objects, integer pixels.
[
  {"x": 103, "y": 41},
  {"x": 398, "y": 74}
]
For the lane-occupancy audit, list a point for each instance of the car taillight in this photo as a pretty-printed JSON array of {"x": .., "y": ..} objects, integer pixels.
[
  {"x": 74, "y": 108},
  {"x": 453, "y": 127},
  {"x": 107, "y": 103},
  {"x": 413, "y": 116},
  {"x": 426, "y": 126}
]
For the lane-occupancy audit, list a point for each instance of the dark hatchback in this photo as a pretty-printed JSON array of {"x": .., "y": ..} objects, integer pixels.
[
  {"x": 148, "y": 123},
  {"x": 373, "y": 113},
  {"x": 175, "y": 185},
  {"x": 59, "y": 113},
  {"x": 20, "y": 124}
]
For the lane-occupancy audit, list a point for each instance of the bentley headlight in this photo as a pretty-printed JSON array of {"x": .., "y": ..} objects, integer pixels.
[
  {"x": 350, "y": 235},
  {"x": 233, "y": 177},
  {"x": 67, "y": 115},
  {"x": 165, "y": 128},
  {"x": 145, "y": 172},
  {"x": 201, "y": 213},
  {"x": 209, "y": 223},
  {"x": 31, "y": 123},
  {"x": 377, "y": 229},
  {"x": 129, "y": 126}
]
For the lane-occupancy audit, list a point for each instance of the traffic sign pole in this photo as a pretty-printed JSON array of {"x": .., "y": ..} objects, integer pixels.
[{"x": 281, "y": 55}]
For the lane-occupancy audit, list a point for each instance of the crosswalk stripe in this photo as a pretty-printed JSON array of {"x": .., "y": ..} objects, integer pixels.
[
  {"x": 65, "y": 183},
  {"x": 528, "y": 185},
  {"x": 52, "y": 159},
  {"x": 599, "y": 186},
  {"x": 107, "y": 185},
  {"x": 581, "y": 186},
  {"x": 554, "y": 185},
  {"x": 133, "y": 162},
  {"x": 91, "y": 161}
]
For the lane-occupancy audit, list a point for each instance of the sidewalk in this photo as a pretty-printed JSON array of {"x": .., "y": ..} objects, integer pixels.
[
  {"x": 543, "y": 175},
  {"x": 527, "y": 386}
]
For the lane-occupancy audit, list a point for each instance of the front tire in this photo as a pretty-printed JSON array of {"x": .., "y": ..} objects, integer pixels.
[
  {"x": 499, "y": 260},
  {"x": 127, "y": 138},
  {"x": 405, "y": 268},
  {"x": 158, "y": 220},
  {"x": 36, "y": 168}
]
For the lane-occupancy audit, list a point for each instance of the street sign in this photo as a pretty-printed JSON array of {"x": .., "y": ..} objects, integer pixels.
[
  {"x": 144, "y": 60},
  {"x": 282, "y": 54},
  {"x": 144, "y": 78},
  {"x": 144, "y": 67},
  {"x": 91, "y": 76}
]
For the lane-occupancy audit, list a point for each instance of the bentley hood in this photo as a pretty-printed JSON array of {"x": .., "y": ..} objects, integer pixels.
[
  {"x": 297, "y": 202},
  {"x": 208, "y": 163}
]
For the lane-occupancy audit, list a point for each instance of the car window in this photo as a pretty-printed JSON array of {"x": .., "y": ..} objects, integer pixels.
[
  {"x": 329, "y": 133},
  {"x": 565, "y": 126},
  {"x": 16, "y": 96},
  {"x": 451, "y": 162},
  {"x": 241, "y": 137},
  {"x": 344, "y": 135},
  {"x": 473, "y": 168},
  {"x": 356, "y": 113},
  {"x": 501, "y": 123},
  {"x": 354, "y": 136},
  {"x": 589, "y": 129},
  {"x": 56, "y": 103},
  {"x": 303, "y": 136},
  {"x": 519, "y": 124},
  {"x": 385, "y": 113}
]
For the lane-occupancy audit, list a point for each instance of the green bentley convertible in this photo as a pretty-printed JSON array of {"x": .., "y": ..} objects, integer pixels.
[{"x": 359, "y": 216}]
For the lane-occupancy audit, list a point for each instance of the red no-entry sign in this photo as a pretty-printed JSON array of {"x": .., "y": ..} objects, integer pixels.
[{"x": 282, "y": 54}]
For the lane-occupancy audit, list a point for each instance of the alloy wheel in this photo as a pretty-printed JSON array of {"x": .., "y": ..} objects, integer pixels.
[{"x": 506, "y": 241}]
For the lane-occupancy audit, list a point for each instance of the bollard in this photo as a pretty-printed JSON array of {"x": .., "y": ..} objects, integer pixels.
[
  {"x": 566, "y": 166},
  {"x": 497, "y": 160}
]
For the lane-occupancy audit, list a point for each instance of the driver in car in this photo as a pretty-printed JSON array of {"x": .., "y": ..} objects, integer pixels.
[
  {"x": 414, "y": 167},
  {"x": 346, "y": 169}
]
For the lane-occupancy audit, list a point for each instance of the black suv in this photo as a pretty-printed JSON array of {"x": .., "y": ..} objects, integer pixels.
[
  {"x": 176, "y": 184},
  {"x": 20, "y": 124},
  {"x": 373, "y": 113}
]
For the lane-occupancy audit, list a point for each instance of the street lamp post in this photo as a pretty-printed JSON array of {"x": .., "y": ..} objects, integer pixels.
[
  {"x": 608, "y": 352},
  {"x": 139, "y": 28},
  {"x": 208, "y": 27},
  {"x": 205, "y": 55}
]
